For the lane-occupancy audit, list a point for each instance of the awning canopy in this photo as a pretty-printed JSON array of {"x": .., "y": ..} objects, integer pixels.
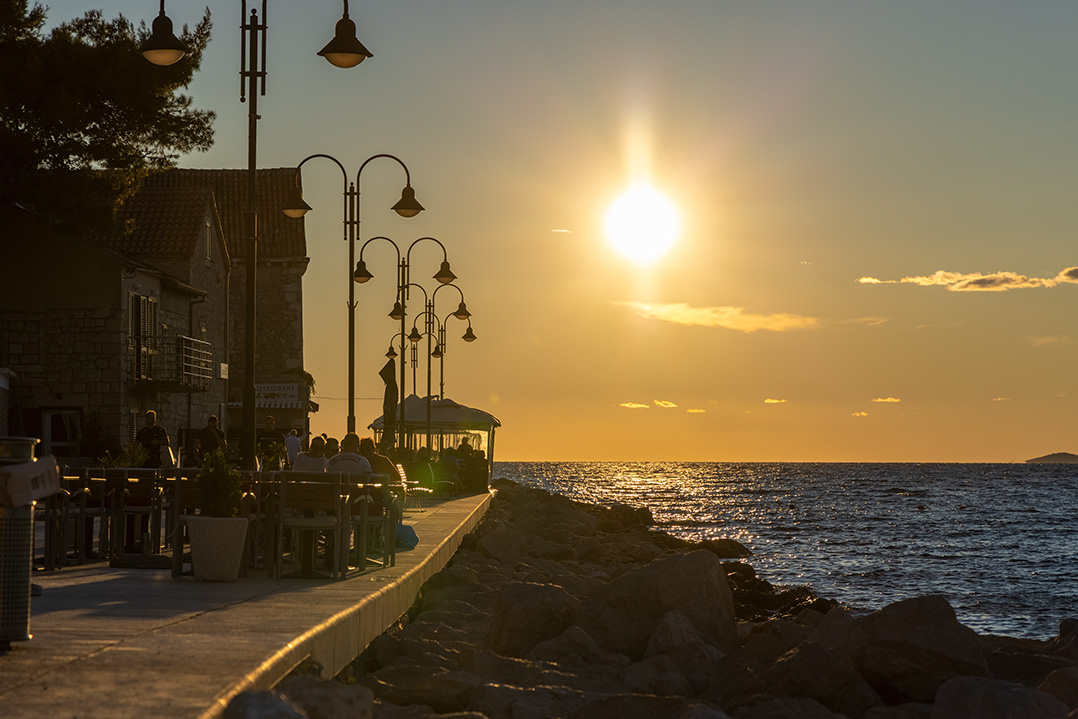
[{"x": 445, "y": 415}]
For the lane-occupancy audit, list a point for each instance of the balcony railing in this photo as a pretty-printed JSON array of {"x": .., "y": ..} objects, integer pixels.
[{"x": 183, "y": 365}]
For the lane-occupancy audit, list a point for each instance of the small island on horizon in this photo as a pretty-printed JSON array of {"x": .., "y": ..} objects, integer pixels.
[{"x": 1057, "y": 458}]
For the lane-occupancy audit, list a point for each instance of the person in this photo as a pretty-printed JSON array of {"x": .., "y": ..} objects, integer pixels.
[
  {"x": 380, "y": 464},
  {"x": 313, "y": 460},
  {"x": 349, "y": 460},
  {"x": 292, "y": 446},
  {"x": 151, "y": 438},
  {"x": 270, "y": 445},
  {"x": 332, "y": 447},
  {"x": 209, "y": 438}
]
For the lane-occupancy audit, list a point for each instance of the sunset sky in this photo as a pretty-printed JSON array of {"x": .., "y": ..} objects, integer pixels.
[{"x": 876, "y": 200}]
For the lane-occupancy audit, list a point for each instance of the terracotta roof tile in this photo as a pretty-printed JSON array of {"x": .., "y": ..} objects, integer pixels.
[
  {"x": 278, "y": 236},
  {"x": 166, "y": 222}
]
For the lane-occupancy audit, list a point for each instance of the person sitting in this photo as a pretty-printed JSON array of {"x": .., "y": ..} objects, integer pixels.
[
  {"x": 332, "y": 447},
  {"x": 313, "y": 460},
  {"x": 349, "y": 461},
  {"x": 380, "y": 464}
]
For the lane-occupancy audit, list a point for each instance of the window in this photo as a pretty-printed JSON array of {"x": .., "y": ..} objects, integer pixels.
[
  {"x": 143, "y": 333},
  {"x": 207, "y": 234}
]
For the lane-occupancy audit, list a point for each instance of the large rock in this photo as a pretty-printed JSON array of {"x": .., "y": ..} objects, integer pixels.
[
  {"x": 812, "y": 672},
  {"x": 502, "y": 544},
  {"x": 906, "y": 650},
  {"x": 981, "y": 698},
  {"x": 261, "y": 705},
  {"x": 786, "y": 708},
  {"x": 623, "y": 614},
  {"x": 676, "y": 639},
  {"x": 575, "y": 648},
  {"x": 1066, "y": 644},
  {"x": 526, "y": 614},
  {"x": 323, "y": 699},
  {"x": 657, "y": 675},
  {"x": 1063, "y": 685}
]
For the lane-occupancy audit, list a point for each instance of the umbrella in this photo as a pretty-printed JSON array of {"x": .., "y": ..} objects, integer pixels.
[{"x": 388, "y": 374}]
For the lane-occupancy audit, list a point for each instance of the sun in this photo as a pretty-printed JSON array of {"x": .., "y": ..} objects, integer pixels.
[{"x": 642, "y": 225}]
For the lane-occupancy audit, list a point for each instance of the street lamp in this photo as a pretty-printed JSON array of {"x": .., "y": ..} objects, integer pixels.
[
  {"x": 461, "y": 313},
  {"x": 407, "y": 206},
  {"x": 444, "y": 276},
  {"x": 160, "y": 49}
]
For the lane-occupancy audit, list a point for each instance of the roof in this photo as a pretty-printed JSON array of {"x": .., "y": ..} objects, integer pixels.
[
  {"x": 167, "y": 221},
  {"x": 278, "y": 236},
  {"x": 444, "y": 414}
]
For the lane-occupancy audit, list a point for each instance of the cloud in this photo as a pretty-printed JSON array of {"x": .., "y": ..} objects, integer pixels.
[
  {"x": 887, "y": 399},
  {"x": 696, "y": 411},
  {"x": 634, "y": 405},
  {"x": 731, "y": 318},
  {"x": 1001, "y": 281},
  {"x": 1051, "y": 340},
  {"x": 1001, "y": 399},
  {"x": 663, "y": 403},
  {"x": 775, "y": 401},
  {"x": 860, "y": 414},
  {"x": 568, "y": 232}
]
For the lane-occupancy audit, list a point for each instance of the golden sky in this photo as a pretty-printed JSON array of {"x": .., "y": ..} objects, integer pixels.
[{"x": 876, "y": 257}]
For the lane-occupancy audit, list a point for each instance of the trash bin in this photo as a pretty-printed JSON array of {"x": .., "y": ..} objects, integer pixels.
[{"x": 16, "y": 545}]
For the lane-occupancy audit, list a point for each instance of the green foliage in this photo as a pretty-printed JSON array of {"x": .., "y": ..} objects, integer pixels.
[
  {"x": 81, "y": 100},
  {"x": 133, "y": 456},
  {"x": 220, "y": 486},
  {"x": 306, "y": 377}
]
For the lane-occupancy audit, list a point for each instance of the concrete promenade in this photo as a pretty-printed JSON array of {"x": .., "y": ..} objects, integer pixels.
[{"x": 139, "y": 644}]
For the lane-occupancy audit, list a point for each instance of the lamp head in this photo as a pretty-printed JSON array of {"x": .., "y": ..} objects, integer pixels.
[
  {"x": 296, "y": 207},
  {"x": 345, "y": 50},
  {"x": 445, "y": 275},
  {"x": 407, "y": 206},
  {"x": 469, "y": 336},
  {"x": 162, "y": 47},
  {"x": 414, "y": 335},
  {"x": 392, "y": 353},
  {"x": 361, "y": 275},
  {"x": 436, "y": 353},
  {"x": 462, "y": 312},
  {"x": 397, "y": 312}
]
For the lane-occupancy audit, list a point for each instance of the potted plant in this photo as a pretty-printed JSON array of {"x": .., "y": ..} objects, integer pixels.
[{"x": 217, "y": 534}]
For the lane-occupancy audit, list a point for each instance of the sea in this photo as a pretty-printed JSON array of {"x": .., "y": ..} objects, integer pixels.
[{"x": 999, "y": 541}]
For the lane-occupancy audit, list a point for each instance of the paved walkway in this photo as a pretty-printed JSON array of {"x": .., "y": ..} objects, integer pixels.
[{"x": 139, "y": 644}]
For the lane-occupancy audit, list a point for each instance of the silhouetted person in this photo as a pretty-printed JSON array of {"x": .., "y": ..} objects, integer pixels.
[
  {"x": 349, "y": 461},
  {"x": 332, "y": 447},
  {"x": 292, "y": 446},
  {"x": 151, "y": 438},
  {"x": 209, "y": 438},
  {"x": 380, "y": 464},
  {"x": 270, "y": 445},
  {"x": 314, "y": 459}
]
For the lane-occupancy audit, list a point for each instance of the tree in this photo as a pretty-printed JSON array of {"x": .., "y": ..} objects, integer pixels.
[{"x": 84, "y": 117}]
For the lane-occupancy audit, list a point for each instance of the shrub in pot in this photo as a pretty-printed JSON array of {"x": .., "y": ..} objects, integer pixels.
[{"x": 217, "y": 534}]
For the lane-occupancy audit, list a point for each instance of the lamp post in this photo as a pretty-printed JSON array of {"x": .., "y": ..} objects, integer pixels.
[
  {"x": 399, "y": 312},
  {"x": 407, "y": 206},
  {"x": 163, "y": 48},
  {"x": 435, "y": 329}
]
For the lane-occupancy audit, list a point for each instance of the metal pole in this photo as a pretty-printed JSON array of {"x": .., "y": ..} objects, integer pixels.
[
  {"x": 353, "y": 211},
  {"x": 403, "y": 289},
  {"x": 249, "y": 392}
]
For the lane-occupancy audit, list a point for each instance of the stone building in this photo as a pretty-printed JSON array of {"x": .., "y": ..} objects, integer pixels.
[
  {"x": 282, "y": 387},
  {"x": 95, "y": 332},
  {"x": 95, "y": 335}
]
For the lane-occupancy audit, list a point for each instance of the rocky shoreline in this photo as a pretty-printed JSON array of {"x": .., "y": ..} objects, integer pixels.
[{"x": 554, "y": 608}]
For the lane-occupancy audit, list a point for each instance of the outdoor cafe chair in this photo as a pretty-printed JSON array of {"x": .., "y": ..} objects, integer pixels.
[{"x": 309, "y": 508}]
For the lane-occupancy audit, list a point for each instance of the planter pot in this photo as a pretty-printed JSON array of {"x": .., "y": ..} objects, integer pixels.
[{"x": 217, "y": 547}]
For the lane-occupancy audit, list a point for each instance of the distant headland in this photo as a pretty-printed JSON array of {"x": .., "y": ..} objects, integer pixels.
[{"x": 1057, "y": 458}]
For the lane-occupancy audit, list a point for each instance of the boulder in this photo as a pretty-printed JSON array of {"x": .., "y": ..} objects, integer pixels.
[
  {"x": 911, "y": 710},
  {"x": 642, "y": 706},
  {"x": 657, "y": 675},
  {"x": 676, "y": 638},
  {"x": 261, "y": 705},
  {"x": 502, "y": 544},
  {"x": 443, "y": 690},
  {"x": 785, "y": 708},
  {"x": 575, "y": 648},
  {"x": 622, "y": 615},
  {"x": 1063, "y": 685},
  {"x": 812, "y": 672},
  {"x": 526, "y": 614},
  {"x": 725, "y": 548},
  {"x": 1066, "y": 644},
  {"x": 908, "y": 649},
  {"x": 324, "y": 699},
  {"x": 983, "y": 698}
]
